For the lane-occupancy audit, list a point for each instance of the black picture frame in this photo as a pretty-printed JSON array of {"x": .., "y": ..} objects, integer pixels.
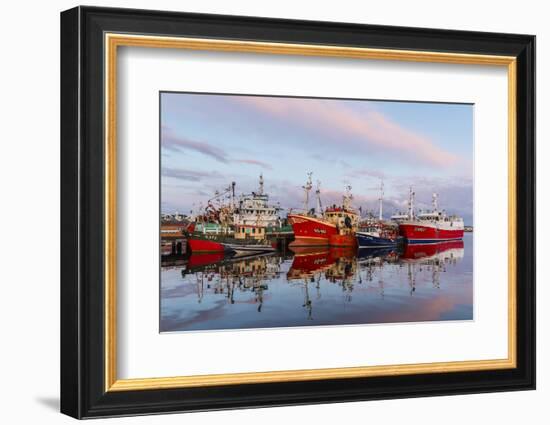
[{"x": 83, "y": 392}]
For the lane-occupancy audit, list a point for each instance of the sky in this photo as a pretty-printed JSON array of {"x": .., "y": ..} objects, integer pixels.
[{"x": 209, "y": 140}]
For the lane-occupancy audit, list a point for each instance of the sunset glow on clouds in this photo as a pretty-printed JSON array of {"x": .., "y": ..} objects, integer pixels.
[
  {"x": 362, "y": 131},
  {"x": 208, "y": 141}
]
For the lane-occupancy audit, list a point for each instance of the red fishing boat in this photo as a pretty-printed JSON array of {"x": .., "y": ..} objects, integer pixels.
[
  {"x": 211, "y": 237},
  {"x": 310, "y": 227},
  {"x": 334, "y": 226},
  {"x": 200, "y": 244},
  {"x": 213, "y": 224},
  {"x": 234, "y": 227},
  {"x": 311, "y": 231},
  {"x": 430, "y": 227}
]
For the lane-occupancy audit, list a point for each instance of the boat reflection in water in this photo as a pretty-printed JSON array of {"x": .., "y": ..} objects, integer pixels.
[{"x": 318, "y": 286}]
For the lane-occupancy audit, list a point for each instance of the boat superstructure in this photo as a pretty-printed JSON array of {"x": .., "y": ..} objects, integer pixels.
[
  {"x": 235, "y": 227},
  {"x": 254, "y": 215},
  {"x": 346, "y": 219}
]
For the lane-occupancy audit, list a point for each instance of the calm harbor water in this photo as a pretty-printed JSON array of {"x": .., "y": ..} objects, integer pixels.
[{"x": 318, "y": 287}]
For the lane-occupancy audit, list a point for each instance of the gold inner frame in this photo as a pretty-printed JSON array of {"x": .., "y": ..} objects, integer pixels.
[{"x": 113, "y": 41}]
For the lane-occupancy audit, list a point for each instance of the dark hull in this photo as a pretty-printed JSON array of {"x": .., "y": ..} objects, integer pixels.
[
  {"x": 365, "y": 240},
  {"x": 221, "y": 243},
  {"x": 244, "y": 247}
]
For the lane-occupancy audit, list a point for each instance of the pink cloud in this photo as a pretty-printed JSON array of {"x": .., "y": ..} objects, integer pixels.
[
  {"x": 254, "y": 162},
  {"x": 171, "y": 141},
  {"x": 357, "y": 130},
  {"x": 364, "y": 172}
]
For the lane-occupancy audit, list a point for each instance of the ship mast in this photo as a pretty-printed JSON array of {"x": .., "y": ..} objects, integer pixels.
[
  {"x": 411, "y": 203},
  {"x": 380, "y": 200},
  {"x": 318, "y": 194},
  {"x": 347, "y": 198},
  {"x": 434, "y": 202},
  {"x": 261, "y": 191},
  {"x": 307, "y": 188}
]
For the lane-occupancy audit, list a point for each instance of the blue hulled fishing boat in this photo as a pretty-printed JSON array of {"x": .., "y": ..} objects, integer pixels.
[
  {"x": 375, "y": 239},
  {"x": 376, "y": 233}
]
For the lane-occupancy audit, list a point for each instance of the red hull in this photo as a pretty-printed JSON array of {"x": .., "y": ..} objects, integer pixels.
[
  {"x": 201, "y": 245},
  {"x": 344, "y": 241},
  {"x": 310, "y": 231},
  {"x": 418, "y": 252},
  {"x": 419, "y": 233},
  {"x": 342, "y": 252},
  {"x": 307, "y": 264},
  {"x": 204, "y": 259}
]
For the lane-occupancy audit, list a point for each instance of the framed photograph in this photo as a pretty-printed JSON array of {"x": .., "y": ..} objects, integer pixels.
[{"x": 261, "y": 212}]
